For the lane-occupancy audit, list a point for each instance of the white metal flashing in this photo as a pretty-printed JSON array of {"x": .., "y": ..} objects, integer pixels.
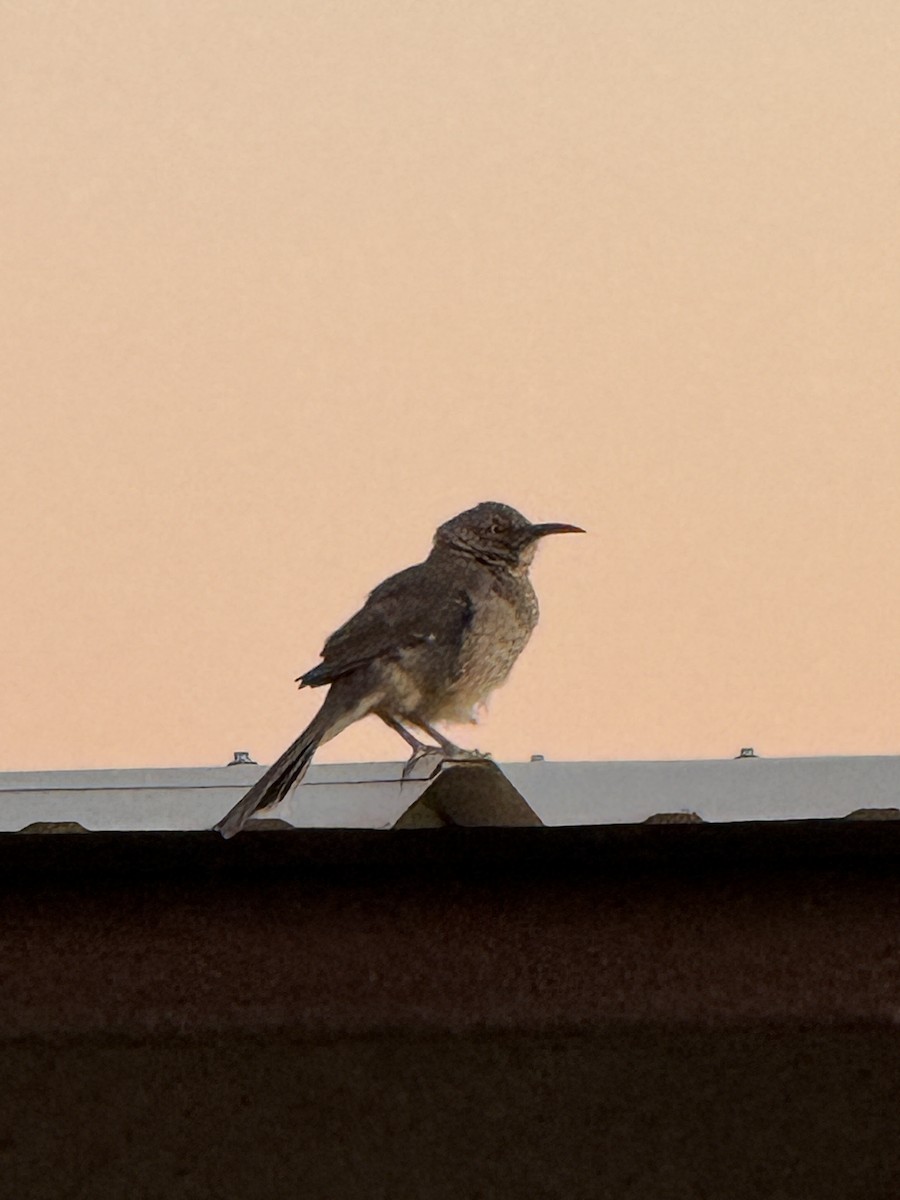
[{"x": 370, "y": 795}]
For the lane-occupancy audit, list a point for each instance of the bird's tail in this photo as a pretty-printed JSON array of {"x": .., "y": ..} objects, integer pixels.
[{"x": 334, "y": 715}]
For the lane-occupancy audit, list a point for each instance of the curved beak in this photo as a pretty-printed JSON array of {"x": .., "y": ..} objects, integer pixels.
[{"x": 539, "y": 531}]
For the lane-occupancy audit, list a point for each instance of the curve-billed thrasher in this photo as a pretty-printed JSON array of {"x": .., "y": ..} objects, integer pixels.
[{"x": 429, "y": 644}]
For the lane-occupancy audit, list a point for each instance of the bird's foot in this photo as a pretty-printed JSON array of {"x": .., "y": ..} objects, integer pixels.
[
  {"x": 431, "y": 757},
  {"x": 460, "y": 755},
  {"x": 452, "y": 752}
]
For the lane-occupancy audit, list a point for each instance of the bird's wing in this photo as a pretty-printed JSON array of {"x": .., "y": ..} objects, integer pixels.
[{"x": 408, "y": 609}]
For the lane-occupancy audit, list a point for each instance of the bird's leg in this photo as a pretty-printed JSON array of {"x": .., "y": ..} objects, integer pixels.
[
  {"x": 410, "y": 738},
  {"x": 420, "y": 750},
  {"x": 450, "y": 749}
]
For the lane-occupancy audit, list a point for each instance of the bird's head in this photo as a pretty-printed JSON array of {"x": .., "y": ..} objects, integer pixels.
[{"x": 496, "y": 534}]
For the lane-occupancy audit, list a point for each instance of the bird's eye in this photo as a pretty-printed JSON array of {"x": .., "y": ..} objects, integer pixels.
[{"x": 496, "y": 527}]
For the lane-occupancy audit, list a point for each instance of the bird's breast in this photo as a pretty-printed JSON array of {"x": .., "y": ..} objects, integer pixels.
[
  {"x": 446, "y": 677},
  {"x": 497, "y": 634}
]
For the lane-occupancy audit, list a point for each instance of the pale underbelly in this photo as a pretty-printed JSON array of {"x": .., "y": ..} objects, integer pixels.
[{"x": 423, "y": 683}]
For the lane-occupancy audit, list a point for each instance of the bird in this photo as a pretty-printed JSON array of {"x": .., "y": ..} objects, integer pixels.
[{"x": 429, "y": 645}]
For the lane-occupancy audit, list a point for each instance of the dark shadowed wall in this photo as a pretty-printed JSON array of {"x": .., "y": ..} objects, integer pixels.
[{"x": 636, "y": 1012}]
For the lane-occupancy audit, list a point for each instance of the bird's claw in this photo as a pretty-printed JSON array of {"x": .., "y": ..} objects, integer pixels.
[
  {"x": 423, "y": 754},
  {"x": 459, "y": 755},
  {"x": 435, "y": 757}
]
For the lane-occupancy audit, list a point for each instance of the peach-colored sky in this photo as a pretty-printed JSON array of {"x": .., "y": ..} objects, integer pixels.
[{"x": 286, "y": 283}]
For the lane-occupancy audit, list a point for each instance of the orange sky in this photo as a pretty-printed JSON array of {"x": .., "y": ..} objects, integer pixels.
[{"x": 287, "y": 283}]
